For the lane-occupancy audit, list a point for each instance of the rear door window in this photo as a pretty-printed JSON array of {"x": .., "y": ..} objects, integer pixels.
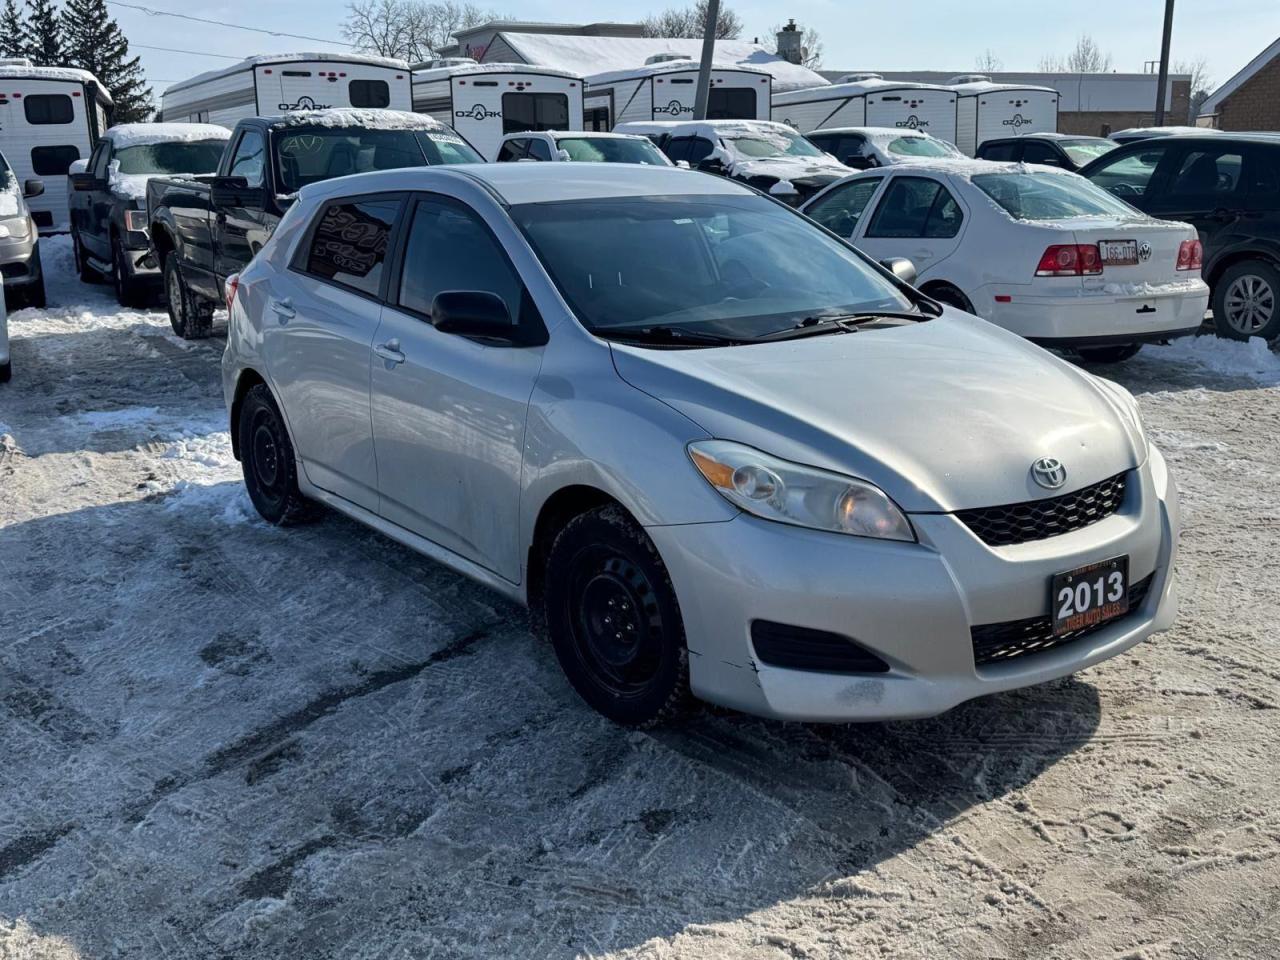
[
  {"x": 1206, "y": 174},
  {"x": 349, "y": 243},
  {"x": 841, "y": 208},
  {"x": 48, "y": 108},
  {"x": 916, "y": 207},
  {"x": 370, "y": 93}
]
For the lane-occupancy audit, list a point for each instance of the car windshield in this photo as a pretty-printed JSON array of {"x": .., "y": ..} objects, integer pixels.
[
  {"x": 1082, "y": 151},
  {"x": 732, "y": 266},
  {"x": 918, "y": 147},
  {"x": 772, "y": 143},
  {"x": 1050, "y": 196},
  {"x": 612, "y": 150},
  {"x": 193, "y": 156},
  {"x": 311, "y": 154}
]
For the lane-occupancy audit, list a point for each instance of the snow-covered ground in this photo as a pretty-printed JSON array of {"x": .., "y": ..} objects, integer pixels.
[{"x": 219, "y": 739}]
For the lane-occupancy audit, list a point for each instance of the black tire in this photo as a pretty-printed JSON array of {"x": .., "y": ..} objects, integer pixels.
[
  {"x": 190, "y": 316},
  {"x": 1116, "y": 353},
  {"x": 267, "y": 459},
  {"x": 129, "y": 292},
  {"x": 612, "y": 617},
  {"x": 87, "y": 273},
  {"x": 6, "y": 372},
  {"x": 1246, "y": 301},
  {"x": 951, "y": 296}
]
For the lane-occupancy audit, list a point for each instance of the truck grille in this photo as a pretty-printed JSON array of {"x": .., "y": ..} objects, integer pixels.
[
  {"x": 1041, "y": 519},
  {"x": 998, "y": 642}
]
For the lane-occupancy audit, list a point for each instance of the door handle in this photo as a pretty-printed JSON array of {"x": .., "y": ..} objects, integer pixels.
[
  {"x": 389, "y": 351},
  {"x": 283, "y": 309}
]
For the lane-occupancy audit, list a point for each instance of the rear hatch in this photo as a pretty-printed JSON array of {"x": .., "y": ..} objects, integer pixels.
[{"x": 1137, "y": 255}]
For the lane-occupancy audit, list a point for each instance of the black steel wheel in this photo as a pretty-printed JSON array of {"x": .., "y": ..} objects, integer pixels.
[{"x": 268, "y": 461}]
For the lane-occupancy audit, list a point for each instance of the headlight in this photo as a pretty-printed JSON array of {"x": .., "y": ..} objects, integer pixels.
[
  {"x": 16, "y": 227},
  {"x": 135, "y": 220},
  {"x": 802, "y": 496}
]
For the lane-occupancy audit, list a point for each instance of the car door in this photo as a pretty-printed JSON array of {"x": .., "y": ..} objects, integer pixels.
[
  {"x": 318, "y": 335},
  {"x": 916, "y": 217},
  {"x": 840, "y": 208},
  {"x": 234, "y": 226},
  {"x": 449, "y": 412},
  {"x": 1205, "y": 186},
  {"x": 95, "y": 205}
]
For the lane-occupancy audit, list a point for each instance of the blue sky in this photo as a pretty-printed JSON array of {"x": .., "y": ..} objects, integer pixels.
[{"x": 857, "y": 34}]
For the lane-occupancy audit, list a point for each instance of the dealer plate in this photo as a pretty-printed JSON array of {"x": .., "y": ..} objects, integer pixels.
[
  {"x": 1118, "y": 253},
  {"x": 1090, "y": 595}
]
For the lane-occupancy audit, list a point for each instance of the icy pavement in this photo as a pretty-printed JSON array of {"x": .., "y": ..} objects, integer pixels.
[{"x": 223, "y": 740}]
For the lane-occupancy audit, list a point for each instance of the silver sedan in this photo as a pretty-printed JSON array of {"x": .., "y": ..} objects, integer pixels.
[{"x": 712, "y": 447}]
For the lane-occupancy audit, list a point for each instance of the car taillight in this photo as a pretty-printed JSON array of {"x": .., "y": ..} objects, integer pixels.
[
  {"x": 1190, "y": 255},
  {"x": 1070, "y": 260},
  {"x": 232, "y": 287}
]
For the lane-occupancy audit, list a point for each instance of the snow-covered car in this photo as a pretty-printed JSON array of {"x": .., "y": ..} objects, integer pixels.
[
  {"x": 761, "y": 153},
  {"x": 1065, "y": 150},
  {"x": 19, "y": 240},
  {"x": 711, "y": 446},
  {"x": 108, "y": 202},
  {"x": 1036, "y": 250},
  {"x": 580, "y": 146},
  {"x": 862, "y": 148}
]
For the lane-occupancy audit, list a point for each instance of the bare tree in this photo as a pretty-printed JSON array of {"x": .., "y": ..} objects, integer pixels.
[
  {"x": 690, "y": 22},
  {"x": 1087, "y": 57},
  {"x": 810, "y": 43},
  {"x": 409, "y": 29},
  {"x": 988, "y": 62},
  {"x": 1201, "y": 83}
]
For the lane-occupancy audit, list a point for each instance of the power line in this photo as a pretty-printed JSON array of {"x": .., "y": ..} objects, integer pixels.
[
  {"x": 221, "y": 23},
  {"x": 194, "y": 53}
]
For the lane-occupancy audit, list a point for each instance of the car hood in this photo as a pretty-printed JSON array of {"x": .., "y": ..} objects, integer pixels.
[{"x": 943, "y": 415}]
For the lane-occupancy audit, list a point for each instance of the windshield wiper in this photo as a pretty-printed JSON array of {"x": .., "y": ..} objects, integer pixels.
[
  {"x": 664, "y": 333},
  {"x": 825, "y": 323}
]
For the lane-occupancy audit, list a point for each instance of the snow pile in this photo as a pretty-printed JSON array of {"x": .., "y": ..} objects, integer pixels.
[
  {"x": 355, "y": 117},
  {"x": 1253, "y": 358},
  {"x": 843, "y": 91},
  {"x": 783, "y": 188},
  {"x": 67, "y": 74},
  {"x": 132, "y": 186},
  {"x": 1187, "y": 287},
  {"x": 141, "y": 134},
  {"x": 299, "y": 58}
]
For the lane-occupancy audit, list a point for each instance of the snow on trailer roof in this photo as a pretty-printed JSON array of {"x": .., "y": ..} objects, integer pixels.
[
  {"x": 19, "y": 71},
  {"x": 137, "y": 134},
  {"x": 671, "y": 66},
  {"x": 979, "y": 87},
  {"x": 367, "y": 119},
  {"x": 588, "y": 56},
  {"x": 250, "y": 62},
  {"x": 855, "y": 88},
  {"x": 463, "y": 69}
]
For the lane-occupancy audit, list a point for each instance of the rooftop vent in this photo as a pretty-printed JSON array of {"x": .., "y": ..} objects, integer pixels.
[
  {"x": 859, "y": 77},
  {"x": 664, "y": 58},
  {"x": 969, "y": 78}
]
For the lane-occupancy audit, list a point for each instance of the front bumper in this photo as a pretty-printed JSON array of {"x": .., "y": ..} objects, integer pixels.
[
  {"x": 913, "y": 605},
  {"x": 1095, "y": 316},
  {"x": 139, "y": 262},
  {"x": 18, "y": 264}
]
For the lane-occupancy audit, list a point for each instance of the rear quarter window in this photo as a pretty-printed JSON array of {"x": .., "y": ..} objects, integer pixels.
[{"x": 349, "y": 243}]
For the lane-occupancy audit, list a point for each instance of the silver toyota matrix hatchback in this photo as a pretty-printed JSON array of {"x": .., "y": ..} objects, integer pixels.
[{"x": 713, "y": 448}]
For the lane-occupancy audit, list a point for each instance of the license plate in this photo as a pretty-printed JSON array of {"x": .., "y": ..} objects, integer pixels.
[
  {"x": 1090, "y": 595},
  {"x": 1118, "y": 253}
]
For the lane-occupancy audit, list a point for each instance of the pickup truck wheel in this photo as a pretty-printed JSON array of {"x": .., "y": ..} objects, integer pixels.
[
  {"x": 129, "y": 292},
  {"x": 270, "y": 467},
  {"x": 613, "y": 619},
  {"x": 190, "y": 317}
]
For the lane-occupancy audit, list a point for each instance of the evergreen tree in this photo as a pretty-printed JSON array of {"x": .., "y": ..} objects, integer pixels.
[
  {"x": 13, "y": 31},
  {"x": 94, "y": 42},
  {"x": 44, "y": 34}
]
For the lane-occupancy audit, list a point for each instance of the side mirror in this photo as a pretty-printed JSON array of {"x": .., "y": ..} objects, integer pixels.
[
  {"x": 32, "y": 188},
  {"x": 227, "y": 192},
  {"x": 473, "y": 313},
  {"x": 86, "y": 181},
  {"x": 902, "y": 268}
]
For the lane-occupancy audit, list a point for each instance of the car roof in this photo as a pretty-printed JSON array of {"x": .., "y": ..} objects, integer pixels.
[
  {"x": 1218, "y": 136},
  {"x": 706, "y": 128},
  {"x": 517, "y": 183},
  {"x": 873, "y": 132}
]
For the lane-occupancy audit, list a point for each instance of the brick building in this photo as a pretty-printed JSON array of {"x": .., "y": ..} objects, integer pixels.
[{"x": 1251, "y": 99}]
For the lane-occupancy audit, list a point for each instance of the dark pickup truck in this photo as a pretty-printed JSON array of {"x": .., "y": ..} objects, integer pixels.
[{"x": 204, "y": 229}]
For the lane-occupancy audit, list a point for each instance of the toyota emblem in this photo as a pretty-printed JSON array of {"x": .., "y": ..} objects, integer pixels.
[{"x": 1049, "y": 473}]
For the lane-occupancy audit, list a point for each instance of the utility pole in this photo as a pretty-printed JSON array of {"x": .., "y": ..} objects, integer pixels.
[
  {"x": 708, "y": 54},
  {"x": 1164, "y": 62}
]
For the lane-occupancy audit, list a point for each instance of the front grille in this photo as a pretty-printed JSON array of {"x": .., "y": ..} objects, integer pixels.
[
  {"x": 998, "y": 642},
  {"x": 800, "y": 648},
  {"x": 1041, "y": 519}
]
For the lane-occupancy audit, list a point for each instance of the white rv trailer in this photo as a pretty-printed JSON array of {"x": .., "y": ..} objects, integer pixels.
[
  {"x": 989, "y": 111},
  {"x": 665, "y": 88},
  {"x": 50, "y": 117},
  {"x": 868, "y": 100},
  {"x": 274, "y": 84},
  {"x": 485, "y": 101}
]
